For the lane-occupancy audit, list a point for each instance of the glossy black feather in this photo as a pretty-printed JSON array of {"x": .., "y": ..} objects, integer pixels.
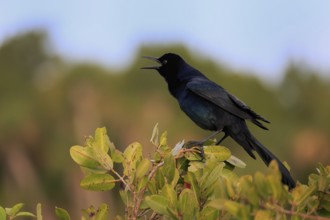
[{"x": 211, "y": 107}]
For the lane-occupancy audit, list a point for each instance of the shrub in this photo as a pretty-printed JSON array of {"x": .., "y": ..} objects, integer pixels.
[{"x": 177, "y": 183}]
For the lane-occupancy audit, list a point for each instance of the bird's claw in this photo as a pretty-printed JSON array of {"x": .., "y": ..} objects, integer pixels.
[{"x": 198, "y": 144}]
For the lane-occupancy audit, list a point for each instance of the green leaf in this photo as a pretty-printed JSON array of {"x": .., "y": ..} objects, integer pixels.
[
  {"x": 210, "y": 178},
  {"x": 176, "y": 178},
  {"x": 15, "y": 209},
  {"x": 25, "y": 214},
  {"x": 217, "y": 152},
  {"x": 191, "y": 179},
  {"x": 264, "y": 215},
  {"x": 209, "y": 213},
  {"x": 39, "y": 215},
  {"x": 2, "y": 213},
  {"x": 261, "y": 184},
  {"x": 155, "y": 136},
  {"x": 142, "y": 182},
  {"x": 85, "y": 157},
  {"x": 142, "y": 168},
  {"x": 158, "y": 204},
  {"x": 152, "y": 186},
  {"x": 236, "y": 162},
  {"x": 126, "y": 197},
  {"x": 195, "y": 165},
  {"x": 117, "y": 156},
  {"x": 102, "y": 141},
  {"x": 216, "y": 203},
  {"x": 104, "y": 159},
  {"x": 169, "y": 192},
  {"x": 187, "y": 206},
  {"x": 192, "y": 156},
  {"x": 232, "y": 207},
  {"x": 301, "y": 193},
  {"x": 98, "y": 182},
  {"x": 169, "y": 167},
  {"x": 159, "y": 179},
  {"x": 276, "y": 186},
  {"x": 248, "y": 191},
  {"x": 102, "y": 212},
  {"x": 132, "y": 155},
  {"x": 163, "y": 139},
  {"x": 62, "y": 214}
]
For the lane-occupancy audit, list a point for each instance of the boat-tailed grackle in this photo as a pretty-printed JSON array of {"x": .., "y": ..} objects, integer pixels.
[{"x": 211, "y": 107}]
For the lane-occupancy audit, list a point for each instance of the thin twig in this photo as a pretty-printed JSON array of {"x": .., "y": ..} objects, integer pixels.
[
  {"x": 122, "y": 179},
  {"x": 291, "y": 213},
  {"x": 140, "y": 197},
  {"x": 184, "y": 150}
]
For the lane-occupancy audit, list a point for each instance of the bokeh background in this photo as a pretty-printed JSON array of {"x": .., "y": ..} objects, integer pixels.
[{"x": 68, "y": 67}]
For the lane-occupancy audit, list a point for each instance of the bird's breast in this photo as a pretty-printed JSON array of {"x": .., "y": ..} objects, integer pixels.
[{"x": 198, "y": 109}]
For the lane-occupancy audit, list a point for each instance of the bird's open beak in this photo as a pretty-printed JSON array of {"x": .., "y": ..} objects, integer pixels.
[{"x": 151, "y": 67}]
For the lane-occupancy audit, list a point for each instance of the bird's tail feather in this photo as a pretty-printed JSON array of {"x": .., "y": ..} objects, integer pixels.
[{"x": 250, "y": 143}]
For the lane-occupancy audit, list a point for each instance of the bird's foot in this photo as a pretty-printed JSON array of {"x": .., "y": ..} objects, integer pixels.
[{"x": 198, "y": 144}]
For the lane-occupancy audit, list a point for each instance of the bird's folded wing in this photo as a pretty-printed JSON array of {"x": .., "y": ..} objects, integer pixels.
[{"x": 220, "y": 97}]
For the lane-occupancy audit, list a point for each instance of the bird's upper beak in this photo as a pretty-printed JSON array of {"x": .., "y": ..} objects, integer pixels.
[{"x": 152, "y": 67}]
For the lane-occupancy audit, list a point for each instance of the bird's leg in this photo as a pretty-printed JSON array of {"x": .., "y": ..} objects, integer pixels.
[
  {"x": 200, "y": 143},
  {"x": 223, "y": 138}
]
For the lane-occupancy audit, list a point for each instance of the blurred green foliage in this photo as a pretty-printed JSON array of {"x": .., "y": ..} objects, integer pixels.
[{"x": 47, "y": 104}]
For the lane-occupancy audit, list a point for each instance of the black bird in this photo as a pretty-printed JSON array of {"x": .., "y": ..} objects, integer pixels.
[{"x": 211, "y": 107}]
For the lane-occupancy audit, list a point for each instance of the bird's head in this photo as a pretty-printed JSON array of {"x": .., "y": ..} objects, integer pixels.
[{"x": 169, "y": 66}]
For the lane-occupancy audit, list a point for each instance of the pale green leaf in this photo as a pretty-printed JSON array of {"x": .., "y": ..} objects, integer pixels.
[
  {"x": 39, "y": 213},
  {"x": 191, "y": 179},
  {"x": 163, "y": 139},
  {"x": 187, "y": 205},
  {"x": 142, "y": 182},
  {"x": 195, "y": 165},
  {"x": 217, "y": 152},
  {"x": 143, "y": 168},
  {"x": 155, "y": 136},
  {"x": 193, "y": 156},
  {"x": 104, "y": 159},
  {"x": 102, "y": 141},
  {"x": 158, "y": 204},
  {"x": 85, "y": 157},
  {"x": 216, "y": 204},
  {"x": 117, "y": 156},
  {"x": 132, "y": 155},
  {"x": 62, "y": 214},
  {"x": 98, "y": 182},
  {"x": 102, "y": 212},
  {"x": 209, "y": 213},
  {"x": 169, "y": 192},
  {"x": 2, "y": 213},
  {"x": 236, "y": 162},
  {"x": 15, "y": 209},
  {"x": 25, "y": 214},
  {"x": 263, "y": 215},
  {"x": 211, "y": 178}
]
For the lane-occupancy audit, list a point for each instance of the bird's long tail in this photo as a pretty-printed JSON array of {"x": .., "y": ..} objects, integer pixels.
[{"x": 250, "y": 143}]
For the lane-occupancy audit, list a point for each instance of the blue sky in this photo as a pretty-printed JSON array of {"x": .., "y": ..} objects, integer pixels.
[{"x": 256, "y": 35}]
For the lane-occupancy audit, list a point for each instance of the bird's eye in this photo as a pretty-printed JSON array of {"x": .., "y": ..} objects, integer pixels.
[{"x": 165, "y": 61}]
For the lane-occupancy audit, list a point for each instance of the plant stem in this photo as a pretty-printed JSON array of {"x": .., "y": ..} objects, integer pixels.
[
  {"x": 140, "y": 197},
  {"x": 122, "y": 179}
]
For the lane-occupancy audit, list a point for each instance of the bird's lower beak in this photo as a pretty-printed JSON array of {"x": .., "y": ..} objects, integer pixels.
[{"x": 151, "y": 67}]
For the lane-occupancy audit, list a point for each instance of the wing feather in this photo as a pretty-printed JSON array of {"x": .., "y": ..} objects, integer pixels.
[{"x": 220, "y": 97}]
